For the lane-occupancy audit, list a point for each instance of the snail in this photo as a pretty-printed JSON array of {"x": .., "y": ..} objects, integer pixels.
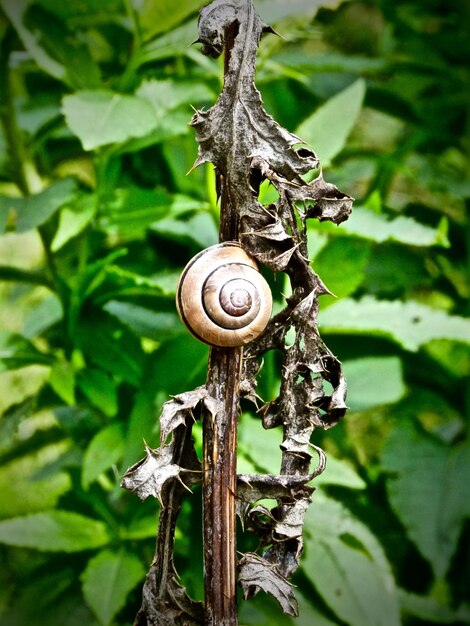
[{"x": 222, "y": 298}]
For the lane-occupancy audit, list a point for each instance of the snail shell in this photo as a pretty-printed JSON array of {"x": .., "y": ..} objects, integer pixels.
[{"x": 222, "y": 298}]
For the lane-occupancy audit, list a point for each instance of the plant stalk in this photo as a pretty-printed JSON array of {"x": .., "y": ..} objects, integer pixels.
[{"x": 220, "y": 450}]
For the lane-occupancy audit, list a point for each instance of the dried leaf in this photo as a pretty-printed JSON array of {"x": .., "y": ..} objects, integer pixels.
[
  {"x": 274, "y": 231},
  {"x": 175, "y": 411},
  {"x": 239, "y": 110},
  {"x": 275, "y": 261},
  {"x": 254, "y": 487},
  {"x": 168, "y": 606},
  {"x": 214, "y": 406},
  {"x": 248, "y": 147},
  {"x": 292, "y": 521},
  {"x": 329, "y": 202},
  {"x": 149, "y": 476},
  {"x": 298, "y": 443},
  {"x": 256, "y": 573}
]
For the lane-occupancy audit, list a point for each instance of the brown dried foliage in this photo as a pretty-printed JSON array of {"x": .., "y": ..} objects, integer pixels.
[{"x": 247, "y": 147}]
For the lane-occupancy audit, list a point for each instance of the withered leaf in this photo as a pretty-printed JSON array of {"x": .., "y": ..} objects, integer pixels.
[
  {"x": 329, "y": 202},
  {"x": 255, "y": 572},
  {"x": 214, "y": 406},
  {"x": 247, "y": 147},
  {"x": 254, "y": 487},
  {"x": 237, "y": 127},
  {"x": 274, "y": 231},
  {"x": 149, "y": 476},
  {"x": 290, "y": 527},
  {"x": 298, "y": 442},
  {"x": 169, "y": 605},
  {"x": 176, "y": 411},
  {"x": 277, "y": 262}
]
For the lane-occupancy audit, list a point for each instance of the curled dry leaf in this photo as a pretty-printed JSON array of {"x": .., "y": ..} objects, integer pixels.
[
  {"x": 175, "y": 411},
  {"x": 256, "y": 573},
  {"x": 149, "y": 476},
  {"x": 254, "y": 487}
]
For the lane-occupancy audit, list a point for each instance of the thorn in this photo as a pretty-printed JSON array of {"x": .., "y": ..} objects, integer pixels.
[
  {"x": 321, "y": 461},
  {"x": 184, "y": 484},
  {"x": 267, "y": 29}
]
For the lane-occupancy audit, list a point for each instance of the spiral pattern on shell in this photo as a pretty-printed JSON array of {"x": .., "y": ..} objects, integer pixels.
[{"x": 222, "y": 298}]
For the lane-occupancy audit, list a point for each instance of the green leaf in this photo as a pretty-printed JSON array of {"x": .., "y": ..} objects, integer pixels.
[
  {"x": 274, "y": 10},
  {"x": 163, "y": 375},
  {"x": 84, "y": 12},
  {"x": 21, "y": 476},
  {"x": 73, "y": 220},
  {"x": 16, "y": 351},
  {"x": 133, "y": 210},
  {"x": 51, "y": 45},
  {"x": 79, "y": 423},
  {"x": 429, "y": 610},
  {"x": 34, "y": 115},
  {"x": 347, "y": 565},
  {"x": 167, "y": 95},
  {"x": 173, "y": 43},
  {"x": 159, "y": 16},
  {"x": 99, "y": 118},
  {"x": 304, "y": 61},
  {"x": 4, "y": 212},
  {"x": 72, "y": 53},
  {"x": 116, "y": 281},
  {"x": 107, "y": 581},
  {"x": 426, "y": 491},
  {"x": 341, "y": 264},
  {"x": 267, "y": 457},
  {"x": 373, "y": 381},
  {"x": 100, "y": 389},
  {"x": 111, "y": 347},
  {"x": 34, "y": 210},
  {"x": 167, "y": 99},
  {"x": 141, "y": 528},
  {"x": 198, "y": 229},
  {"x": 340, "y": 473},
  {"x": 16, "y": 13},
  {"x": 18, "y": 385},
  {"x": 104, "y": 450},
  {"x": 143, "y": 322},
  {"x": 378, "y": 227},
  {"x": 49, "y": 600},
  {"x": 62, "y": 381},
  {"x": 262, "y": 610},
  {"x": 54, "y": 531},
  {"x": 92, "y": 277},
  {"x": 165, "y": 368},
  {"x": 328, "y": 128},
  {"x": 47, "y": 313},
  {"x": 408, "y": 323},
  {"x": 394, "y": 270}
]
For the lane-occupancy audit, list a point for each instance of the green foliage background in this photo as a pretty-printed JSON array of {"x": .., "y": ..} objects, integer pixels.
[{"x": 98, "y": 217}]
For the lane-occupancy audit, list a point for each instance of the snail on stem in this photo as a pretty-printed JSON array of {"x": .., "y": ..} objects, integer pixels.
[{"x": 222, "y": 298}]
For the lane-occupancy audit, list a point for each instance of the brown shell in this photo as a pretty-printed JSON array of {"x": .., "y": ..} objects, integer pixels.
[{"x": 222, "y": 298}]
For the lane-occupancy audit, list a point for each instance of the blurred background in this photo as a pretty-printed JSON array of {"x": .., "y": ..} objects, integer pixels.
[{"x": 98, "y": 216}]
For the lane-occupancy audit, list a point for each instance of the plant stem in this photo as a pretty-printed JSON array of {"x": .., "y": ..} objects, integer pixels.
[
  {"x": 25, "y": 172},
  {"x": 220, "y": 452}
]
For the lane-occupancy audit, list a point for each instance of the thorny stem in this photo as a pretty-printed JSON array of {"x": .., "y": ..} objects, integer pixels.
[
  {"x": 220, "y": 451},
  {"x": 247, "y": 146}
]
